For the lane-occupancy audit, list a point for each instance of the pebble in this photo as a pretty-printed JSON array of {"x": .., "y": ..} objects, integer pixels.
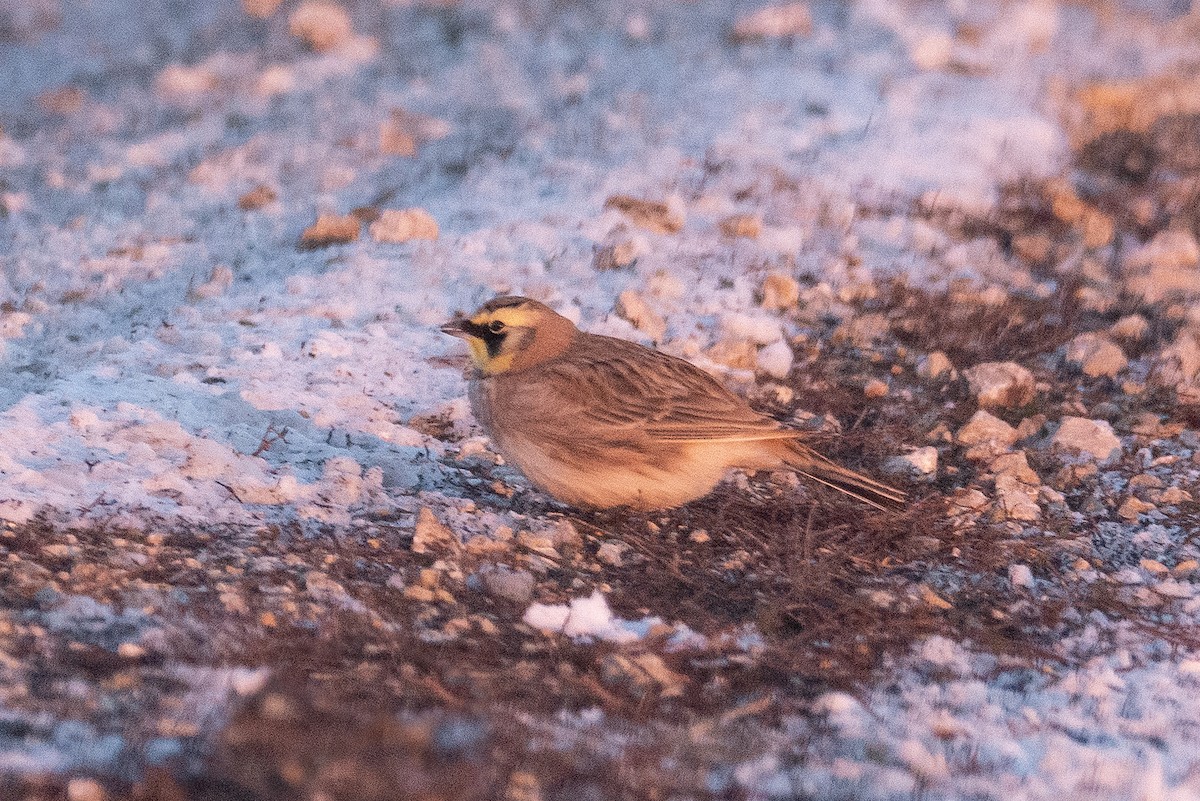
[
  {"x": 1171, "y": 496},
  {"x": 986, "y": 429},
  {"x": 1093, "y": 438},
  {"x": 511, "y": 585},
  {"x": 320, "y": 24},
  {"x": 538, "y": 544},
  {"x": 968, "y": 500},
  {"x": 131, "y": 651},
  {"x": 862, "y": 332},
  {"x": 734, "y": 353},
  {"x": 1154, "y": 566},
  {"x": 85, "y": 790},
  {"x": 177, "y": 79},
  {"x": 403, "y": 132},
  {"x": 610, "y": 553},
  {"x": 1165, "y": 267},
  {"x": 616, "y": 256},
  {"x": 776, "y": 359},
  {"x": 219, "y": 281},
  {"x": 256, "y": 198},
  {"x": 652, "y": 215},
  {"x": 921, "y": 461},
  {"x": 523, "y": 786},
  {"x": 1146, "y": 480},
  {"x": 260, "y": 9},
  {"x": 403, "y": 225},
  {"x": 774, "y": 22},
  {"x": 932, "y": 598},
  {"x": 330, "y": 229},
  {"x": 1132, "y": 328},
  {"x": 1133, "y": 508},
  {"x": 746, "y": 226},
  {"x": 631, "y": 308},
  {"x": 874, "y": 388},
  {"x": 759, "y": 329},
  {"x": 935, "y": 365},
  {"x": 1031, "y": 426},
  {"x": 1096, "y": 356},
  {"x": 1015, "y": 464},
  {"x": 1179, "y": 363},
  {"x": 1015, "y": 499},
  {"x": 416, "y": 592},
  {"x": 672, "y": 683},
  {"x": 430, "y": 533},
  {"x": 1000, "y": 384},
  {"x": 780, "y": 291},
  {"x": 1186, "y": 567},
  {"x": 1096, "y": 226},
  {"x": 641, "y": 674},
  {"x": 1020, "y": 576}
]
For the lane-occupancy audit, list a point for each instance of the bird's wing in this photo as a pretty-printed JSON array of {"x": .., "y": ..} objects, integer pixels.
[{"x": 623, "y": 388}]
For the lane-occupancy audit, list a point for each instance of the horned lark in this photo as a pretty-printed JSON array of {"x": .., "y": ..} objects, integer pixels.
[{"x": 601, "y": 422}]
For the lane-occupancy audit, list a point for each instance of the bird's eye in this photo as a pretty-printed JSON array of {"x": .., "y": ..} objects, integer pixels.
[{"x": 495, "y": 326}]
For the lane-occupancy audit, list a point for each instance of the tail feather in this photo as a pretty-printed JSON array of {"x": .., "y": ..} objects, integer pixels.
[{"x": 811, "y": 464}]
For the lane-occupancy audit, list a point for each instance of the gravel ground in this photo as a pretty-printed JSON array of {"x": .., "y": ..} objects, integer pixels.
[{"x": 254, "y": 547}]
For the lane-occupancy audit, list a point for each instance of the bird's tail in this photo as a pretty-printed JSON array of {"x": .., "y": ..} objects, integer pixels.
[{"x": 807, "y": 462}]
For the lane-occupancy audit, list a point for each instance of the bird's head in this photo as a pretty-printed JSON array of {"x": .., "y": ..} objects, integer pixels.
[{"x": 511, "y": 333}]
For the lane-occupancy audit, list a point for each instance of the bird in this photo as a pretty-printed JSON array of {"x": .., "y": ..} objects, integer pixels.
[{"x": 600, "y": 422}]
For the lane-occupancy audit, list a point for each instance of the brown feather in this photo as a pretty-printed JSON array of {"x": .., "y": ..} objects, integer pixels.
[{"x": 601, "y": 421}]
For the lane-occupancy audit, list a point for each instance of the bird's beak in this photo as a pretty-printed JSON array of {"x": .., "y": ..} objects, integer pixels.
[{"x": 455, "y": 328}]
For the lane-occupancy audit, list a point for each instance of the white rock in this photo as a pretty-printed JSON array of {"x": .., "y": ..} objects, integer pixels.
[
  {"x": 1016, "y": 499},
  {"x": 935, "y": 365},
  {"x": 1165, "y": 267},
  {"x": 130, "y": 650},
  {"x": 85, "y": 790},
  {"x": 927, "y": 765},
  {"x": 1165, "y": 283},
  {"x": 1015, "y": 464},
  {"x": 761, "y": 329},
  {"x": 611, "y": 553},
  {"x": 665, "y": 285},
  {"x": 176, "y": 79},
  {"x": 1096, "y": 355},
  {"x": 922, "y": 461},
  {"x": 932, "y": 51},
  {"x": 1020, "y": 576},
  {"x": 1000, "y": 384},
  {"x": 985, "y": 428},
  {"x": 1179, "y": 363},
  {"x": 321, "y": 24},
  {"x": 1094, "y": 438},
  {"x": 875, "y": 388},
  {"x": 775, "y": 359},
  {"x": 863, "y": 331},
  {"x": 772, "y": 22},
  {"x": 430, "y": 533},
  {"x": 780, "y": 291},
  {"x": 967, "y": 501},
  {"x": 218, "y": 283},
  {"x": 512, "y": 585},
  {"x": 632, "y": 308},
  {"x": 1173, "y": 247},
  {"x": 1131, "y": 327},
  {"x": 403, "y": 225}
]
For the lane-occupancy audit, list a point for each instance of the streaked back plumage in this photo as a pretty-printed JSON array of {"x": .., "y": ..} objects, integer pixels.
[{"x": 599, "y": 421}]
